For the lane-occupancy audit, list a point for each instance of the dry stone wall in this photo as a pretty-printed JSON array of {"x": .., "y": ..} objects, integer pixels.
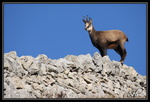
[{"x": 82, "y": 76}]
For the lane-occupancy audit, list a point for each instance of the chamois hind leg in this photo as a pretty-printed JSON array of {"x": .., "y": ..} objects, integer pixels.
[
  {"x": 122, "y": 52},
  {"x": 124, "y": 55},
  {"x": 118, "y": 50}
]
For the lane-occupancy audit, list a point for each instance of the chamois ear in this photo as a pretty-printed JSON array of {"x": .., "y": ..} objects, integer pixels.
[
  {"x": 87, "y": 18},
  {"x": 83, "y": 20},
  {"x": 90, "y": 20}
]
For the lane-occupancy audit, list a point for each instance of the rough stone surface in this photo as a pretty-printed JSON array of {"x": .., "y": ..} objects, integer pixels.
[{"x": 80, "y": 76}]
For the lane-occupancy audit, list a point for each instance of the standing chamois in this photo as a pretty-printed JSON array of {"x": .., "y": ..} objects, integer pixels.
[{"x": 103, "y": 40}]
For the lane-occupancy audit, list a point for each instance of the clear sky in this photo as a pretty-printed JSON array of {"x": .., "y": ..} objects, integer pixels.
[{"x": 57, "y": 30}]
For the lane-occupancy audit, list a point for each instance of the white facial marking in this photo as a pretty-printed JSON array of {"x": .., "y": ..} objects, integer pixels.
[{"x": 88, "y": 26}]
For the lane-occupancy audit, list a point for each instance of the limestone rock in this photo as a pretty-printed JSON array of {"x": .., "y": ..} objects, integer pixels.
[{"x": 81, "y": 76}]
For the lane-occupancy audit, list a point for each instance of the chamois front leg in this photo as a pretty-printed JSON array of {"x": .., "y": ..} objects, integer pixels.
[{"x": 103, "y": 51}]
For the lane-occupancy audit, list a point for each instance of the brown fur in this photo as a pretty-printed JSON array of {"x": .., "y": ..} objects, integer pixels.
[{"x": 111, "y": 39}]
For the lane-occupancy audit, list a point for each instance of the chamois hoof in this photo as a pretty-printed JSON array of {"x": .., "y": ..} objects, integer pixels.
[{"x": 121, "y": 63}]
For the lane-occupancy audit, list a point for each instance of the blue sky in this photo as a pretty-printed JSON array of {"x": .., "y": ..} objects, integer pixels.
[{"x": 57, "y": 30}]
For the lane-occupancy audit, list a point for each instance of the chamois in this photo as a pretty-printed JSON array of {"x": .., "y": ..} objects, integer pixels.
[{"x": 103, "y": 40}]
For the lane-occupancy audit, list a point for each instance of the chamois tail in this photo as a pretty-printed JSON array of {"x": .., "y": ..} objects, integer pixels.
[{"x": 127, "y": 39}]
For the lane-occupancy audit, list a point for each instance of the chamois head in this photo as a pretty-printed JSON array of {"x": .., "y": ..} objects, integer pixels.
[{"x": 88, "y": 23}]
